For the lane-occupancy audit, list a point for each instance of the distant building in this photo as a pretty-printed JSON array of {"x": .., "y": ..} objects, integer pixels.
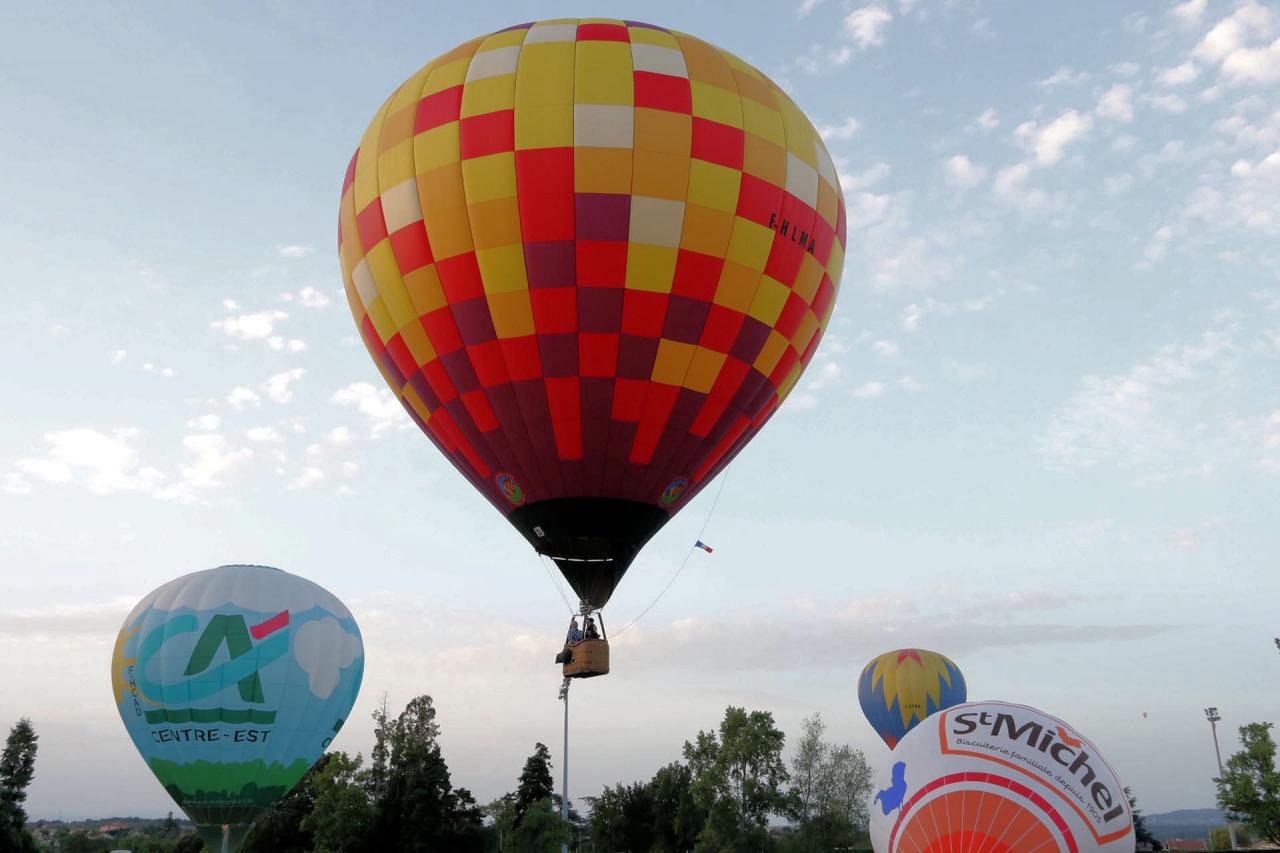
[
  {"x": 1185, "y": 844},
  {"x": 112, "y": 830}
]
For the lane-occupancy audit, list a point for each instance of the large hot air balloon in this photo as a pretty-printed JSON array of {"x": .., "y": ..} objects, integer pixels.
[
  {"x": 232, "y": 682},
  {"x": 992, "y": 777},
  {"x": 591, "y": 257},
  {"x": 898, "y": 689}
]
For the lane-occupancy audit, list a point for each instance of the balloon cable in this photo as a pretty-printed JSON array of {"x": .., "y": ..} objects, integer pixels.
[
  {"x": 552, "y": 578},
  {"x": 723, "y": 479}
]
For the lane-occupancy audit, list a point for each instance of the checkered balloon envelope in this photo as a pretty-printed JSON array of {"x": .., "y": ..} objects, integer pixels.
[{"x": 591, "y": 258}]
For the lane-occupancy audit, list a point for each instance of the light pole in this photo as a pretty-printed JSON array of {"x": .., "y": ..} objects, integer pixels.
[
  {"x": 564, "y": 786},
  {"x": 1214, "y": 719}
]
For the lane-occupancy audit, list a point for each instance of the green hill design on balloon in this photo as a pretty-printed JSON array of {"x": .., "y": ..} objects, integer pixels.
[{"x": 207, "y": 784}]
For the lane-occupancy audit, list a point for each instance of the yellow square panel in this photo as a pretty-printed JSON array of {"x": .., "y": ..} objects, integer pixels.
[
  {"x": 753, "y": 87},
  {"x": 660, "y": 175},
  {"x": 672, "y": 362},
  {"x": 749, "y": 244},
  {"x": 488, "y": 95},
  {"x": 712, "y": 185},
  {"x": 603, "y": 73},
  {"x": 790, "y": 382},
  {"x": 447, "y": 75},
  {"x": 415, "y": 402},
  {"x": 660, "y": 130},
  {"x": 704, "y": 368},
  {"x": 462, "y": 51},
  {"x": 774, "y": 346},
  {"x": 800, "y": 134},
  {"x": 391, "y": 289},
  {"x": 827, "y": 207},
  {"x": 737, "y": 286},
  {"x": 646, "y": 35},
  {"x": 544, "y": 126},
  {"x": 366, "y": 178},
  {"x": 808, "y": 279},
  {"x": 410, "y": 92},
  {"x": 502, "y": 269},
  {"x": 350, "y": 249},
  {"x": 763, "y": 121},
  {"x": 395, "y": 165},
  {"x": 415, "y": 339},
  {"x": 835, "y": 263},
  {"x": 771, "y": 296},
  {"x": 717, "y": 104},
  {"x": 423, "y": 285},
  {"x": 804, "y": 332},
  {"x": 706, "y": 63},
  {"x": 545, "y": 74},
  {"x": 381, "y": 320},
  {"x": 495, "y": 223},
  {"x": 650, "y": 267},
  {"x": 706, "y": 230},
  {"x": 397, "y": 127},
  {"x": 489, "y": 177},
  {"x": 602, "y": 170},
  {"x": 764, "y": 160},
  {"x": 436, "y": 147},
  {"x": 441, "y": 188},
  {"x": 501, "y": 40},
  {"x": 512, "y": 314},
  {"x": 448, "y": 230}
]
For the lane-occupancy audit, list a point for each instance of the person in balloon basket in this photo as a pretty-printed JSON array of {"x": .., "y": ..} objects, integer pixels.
[
  {"x": 592, "y": 633},
  {"x": 574, "y": 636}
]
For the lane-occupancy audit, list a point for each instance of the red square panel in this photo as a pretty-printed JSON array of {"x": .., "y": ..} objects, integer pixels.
[
  {"x": 522, "y": 357},
  {"x": 792, "y": 313},
  {"x": 663, "y": 92},
  {"x": 759, "y": 201},
  {"x": 721, "y": 328},
  {"x": 487, "y": 134},
  {"x": 460, "y": 277},
  {"x": 350, "y": 177},
  {"x": 602, "y": 32},
  {"x": 544, "y": 184},
  {"x": 628, "y": 399},
  {"x": 411, "y": 248},
  {"x": 481, "y": 412},
  {"x": 401, "y": 356},
  {"x": 696, "y": 275},
  {"x": 643, "y": 313},
  {"x": 441, "y": 330},
  {"x": 489, "y": 364},
  {"x": 440, "y": 108},
  {"x": 439, "y": 381},
  {"x": 717, "y": 143},
  {"x": 602, "y": 263},
  {"x": 555, "y": 310},
  {"x": 371, "y": 224},
  {"x": 598, "y": 353}
]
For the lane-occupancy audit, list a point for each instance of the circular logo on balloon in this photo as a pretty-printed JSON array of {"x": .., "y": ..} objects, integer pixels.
[
  {"x": 510, "y": 488},
  {"x": 674, "y": 491}
]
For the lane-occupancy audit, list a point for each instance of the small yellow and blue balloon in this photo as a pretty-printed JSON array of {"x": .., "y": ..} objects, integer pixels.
[
  {"x": 898, "y": 689},
  {"x": 231, "y": 683}
]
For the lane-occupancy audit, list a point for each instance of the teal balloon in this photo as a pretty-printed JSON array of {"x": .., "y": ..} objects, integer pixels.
[{"x": 231, "y": 683}]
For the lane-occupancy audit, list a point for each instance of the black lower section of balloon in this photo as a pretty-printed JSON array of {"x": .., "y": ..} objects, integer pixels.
[{"x": 592, "y": 540}]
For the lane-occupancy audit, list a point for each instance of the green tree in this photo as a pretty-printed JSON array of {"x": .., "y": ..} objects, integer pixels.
[
  {"x": 624, "y": 818},
  {"x": 343, "y": 814},
  {"x": 376, "y": 778},
  {"x": 535, "y": 782},
  {"x": 502, "y": 823},
  {"x": 17, "y": 768},
  {"x": 1249, "y": 788},
  {"x": 419, "y": 810},
  {"x": 281, "y": 829},
  {"x": 678, "y": 818},
  {"x": 1140, "y": 832},
  {"x": 541, "y": 830},
  {"x": 738, "y": 778}
]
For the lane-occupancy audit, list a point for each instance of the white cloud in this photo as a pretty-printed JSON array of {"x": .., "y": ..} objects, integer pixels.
[
  {"x": 1010, "y": 186},
  {"x": 263, "y": 434},
  {"x": 118, "y": 356},
  {"x": 988, "y": 119},
  {"x": 864, "y": 209},
  {"x": 1179, "y": 75},
  {"x": 1048, "y": 142},
  {"x": 279, "y": 344},
  {"x": 870, "y": 176},
  {"x": 230, "y": 304},
  {"x": 806, "y": 7},
  {"x": 312, "y": 298},
  {"x": 103, "y": 463},
  {"x": 278, "y": 387},
  {"x": 1063, "y": 76},
  {"x": 309, "y": 477},
  {"x": 866, "y": 25},
  {"x": 166, "y": 372},
  {"x": 844, "y": 130},
  {"x": 885, "y": 349},
  {"x": 323, "y": 648},
  {"x": 1190, "y": 12},
  {"x": 1169, "y": 103},
  {"x": 240, "y": 397},
  {"x": 379, "y": 405},
  {"x": 961, "y": 172},
  {"x": 1231, "y": 33},
  {"x": 295, "y": 251},
  {"x": 1116, "y": 103},
  {"x": 257, "y": 326},
  {"x": 214, "y": 457},
  {"x": 868, "y": 390},
  {"x": 1253, "y": 65},
  {"x": 1124, "y": 69},
  {"x": 207, "y": 423}
]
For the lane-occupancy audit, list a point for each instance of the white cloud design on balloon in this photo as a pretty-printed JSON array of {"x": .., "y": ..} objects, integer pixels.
[{"x": 323, "y": 648}]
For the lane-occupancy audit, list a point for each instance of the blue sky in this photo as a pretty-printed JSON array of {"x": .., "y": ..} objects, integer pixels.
[{"x": 1042, "y": 434}]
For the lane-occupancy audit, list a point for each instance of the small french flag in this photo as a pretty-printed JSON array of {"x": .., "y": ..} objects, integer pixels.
[{"x": 703, "y": 545}]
